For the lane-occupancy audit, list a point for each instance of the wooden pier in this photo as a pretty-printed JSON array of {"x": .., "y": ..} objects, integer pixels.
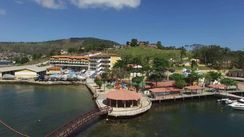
[
  {"x": 181, "y": 97},
  {"x": 228, "y": 94},
  {"x": 75, "y": 125}
]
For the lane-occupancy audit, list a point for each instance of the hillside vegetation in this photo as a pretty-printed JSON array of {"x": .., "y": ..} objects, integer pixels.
[
  {"x": 147, "y": 52},
  {"x": 52, "y": 47}
]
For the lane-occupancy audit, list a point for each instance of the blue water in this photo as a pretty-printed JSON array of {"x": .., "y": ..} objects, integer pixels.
[
  {"x": 37, "y": 110},
  {"x": 203, "y": 118}
]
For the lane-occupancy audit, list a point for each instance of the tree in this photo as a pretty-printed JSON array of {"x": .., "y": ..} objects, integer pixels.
[
  {"x": 213, "y": 56},
  {"x": 179, "y": 79},
  {"x": 98, "y": 81},
  {"x": 120, "y": 64},
  {"x": 160, "y": 65},
  {"x": 134, "y": 43},
  {"x": 212, "y": 76},
  {"x": 36, "y": 56},
  {"x": 193, "y": 65},
  {"x": 180, "y": 83},
  {"x": 72, "y": 50},
  {"x": 193, "y": 77},
  {"x": 182, "y": 53},
  {"x": 177, "y": 76},
  {"x": 21, "y": 60},
  {"x": 105, "y": 77},
  {"x": 137, "y": 82},
  {"x": 159, "y": 45},
  {"x": 228, "y": 82}
]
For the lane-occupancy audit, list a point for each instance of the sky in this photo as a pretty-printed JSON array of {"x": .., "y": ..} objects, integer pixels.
[{"x": 174, "y": 22}]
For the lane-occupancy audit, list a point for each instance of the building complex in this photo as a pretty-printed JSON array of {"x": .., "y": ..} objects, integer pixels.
[{"x": 95, "y": 62}]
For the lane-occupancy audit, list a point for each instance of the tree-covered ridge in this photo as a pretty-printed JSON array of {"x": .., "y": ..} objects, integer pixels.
[
  {"x": 52, "y": 47},
  {"x": 218, "y": 57}
]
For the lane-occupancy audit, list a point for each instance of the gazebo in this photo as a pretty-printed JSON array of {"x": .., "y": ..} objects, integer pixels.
[
  {"x": 123, "y": 99},
  {"x": 194, "y": 89}
]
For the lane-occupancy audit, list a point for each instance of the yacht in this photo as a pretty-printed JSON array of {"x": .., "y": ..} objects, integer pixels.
[
  {"x": 239, "y": 105},
  {"x": 225, "y": 101}
]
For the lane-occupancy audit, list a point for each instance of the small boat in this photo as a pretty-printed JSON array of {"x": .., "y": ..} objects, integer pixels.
[
  {"x": 225, "y": 101},
  {"x": 238, "y": 105},
  {"x": 241, "y": 100}
]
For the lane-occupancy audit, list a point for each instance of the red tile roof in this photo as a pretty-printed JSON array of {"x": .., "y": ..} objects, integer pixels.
[
  {"x": 164, "y": 84},
  {"x": 168, "y": 89},
  {"x": 194, "y": 88},
  {"x": 218, "y": 86},
  {"x": 123, "y": 95},
  {"x": 240, "y": 85}
]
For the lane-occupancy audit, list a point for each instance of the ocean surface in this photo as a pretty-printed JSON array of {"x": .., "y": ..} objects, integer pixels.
[{"x": 37, "y": 110}]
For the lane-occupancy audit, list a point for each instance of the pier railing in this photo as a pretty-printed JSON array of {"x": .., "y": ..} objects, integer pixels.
[{"x": 74, "y": 125}]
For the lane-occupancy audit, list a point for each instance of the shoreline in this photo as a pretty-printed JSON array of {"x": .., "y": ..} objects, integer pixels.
[{"x": 42, "y": 82}]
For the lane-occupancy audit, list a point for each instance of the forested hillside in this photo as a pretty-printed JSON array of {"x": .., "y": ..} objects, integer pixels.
[{"x": 52, "y": 47}]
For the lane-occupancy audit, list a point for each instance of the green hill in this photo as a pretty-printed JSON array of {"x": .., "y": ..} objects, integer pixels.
[
  {"x": 49, "y": 47},
  {"x": 147, "y": 52}
]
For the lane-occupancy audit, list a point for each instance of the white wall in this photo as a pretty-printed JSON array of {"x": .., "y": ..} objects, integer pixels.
[{"x": 25, "y": 74}]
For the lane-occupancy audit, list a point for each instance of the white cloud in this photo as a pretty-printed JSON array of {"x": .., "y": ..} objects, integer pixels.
[
  {"x": 117, "y": 4},
  {"x": 52, "y": 4},
  {"x": 2, "y": 12},
  {"x": 19, "y": 2}
]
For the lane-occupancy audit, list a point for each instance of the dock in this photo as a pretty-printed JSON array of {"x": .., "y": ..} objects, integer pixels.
[
  {"x": 229, "y": 95},
  {"x": 181, "y": 97},
  {"x": 237, "y": 78},
  {"x": 225, "y": 94}
]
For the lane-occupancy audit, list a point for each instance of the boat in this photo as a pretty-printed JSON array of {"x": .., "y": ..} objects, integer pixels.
[
  {"x": 241, "y": 100},
  {"x": 238, "y": 105},
  {"x": 225, "y": 101}
]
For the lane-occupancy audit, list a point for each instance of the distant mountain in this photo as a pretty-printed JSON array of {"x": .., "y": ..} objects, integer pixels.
[{"x": 48, "y": 47}]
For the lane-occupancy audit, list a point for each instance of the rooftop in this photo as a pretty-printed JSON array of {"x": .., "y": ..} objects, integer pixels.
[
  {"x": 29, "y": 67},
  {"x": 164, "y": 84},
  {"x": 194, "y": 88},
  {"x": 168, "y": 89},
  {"x": 123, "y": 95},
  {"x": 217, "y": 86},
  {"x": 83, "y": 58}
]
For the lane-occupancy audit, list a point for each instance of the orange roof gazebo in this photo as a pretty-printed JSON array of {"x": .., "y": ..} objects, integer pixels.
[{"x": 123, "y": 95}]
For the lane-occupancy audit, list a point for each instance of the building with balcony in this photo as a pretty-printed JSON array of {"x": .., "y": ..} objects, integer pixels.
[
  {"x": 101, "y": 62},
  {"x": 95, "y": 62},
  {"x": 70, "y": 62}
]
